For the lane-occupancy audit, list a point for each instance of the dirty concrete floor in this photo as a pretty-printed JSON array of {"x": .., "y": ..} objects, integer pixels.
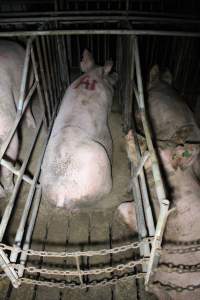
[{"x": 94, "y": 229}]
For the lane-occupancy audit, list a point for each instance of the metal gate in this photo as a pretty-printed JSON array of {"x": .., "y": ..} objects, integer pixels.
[{"x": 45, "y": 56}]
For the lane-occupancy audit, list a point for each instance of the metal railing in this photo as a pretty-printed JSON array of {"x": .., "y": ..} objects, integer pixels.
[{"x": 45, "y": 57}]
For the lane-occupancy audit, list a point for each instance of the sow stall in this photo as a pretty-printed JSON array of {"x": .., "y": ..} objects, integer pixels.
[{"x": 49, "y": 57}]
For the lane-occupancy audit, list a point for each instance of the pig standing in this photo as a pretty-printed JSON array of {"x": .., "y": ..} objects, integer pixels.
[
  {"x": 170, "y": 117},
  {"x": 76, "y": 169},
  {"x": 11, "y": 65}
]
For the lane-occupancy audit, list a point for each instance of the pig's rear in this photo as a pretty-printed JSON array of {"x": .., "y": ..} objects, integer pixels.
[{"x": 77, "y": 171}]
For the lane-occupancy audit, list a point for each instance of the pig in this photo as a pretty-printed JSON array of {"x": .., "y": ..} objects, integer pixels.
[
  {"x": 179, "y": 165},
  {"x": 170, "y": 116},
  {"x": 76, "y": 170},
  {"x": 12, "y": 57}
]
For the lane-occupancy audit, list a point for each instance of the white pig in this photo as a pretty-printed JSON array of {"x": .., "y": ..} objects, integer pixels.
[{"x": 76, "y": 169}]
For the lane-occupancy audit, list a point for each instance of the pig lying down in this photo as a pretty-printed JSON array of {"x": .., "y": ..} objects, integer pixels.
[
  {"x": 180, "y": 165},
  {"x": 171, "y": 118},
  {"x": 76, "y": 169},
  {"x": 11, "y": 65}
]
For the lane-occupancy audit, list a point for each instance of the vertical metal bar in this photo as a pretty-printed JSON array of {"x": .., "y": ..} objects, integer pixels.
[
  {"x": 23, "y": 220},
  {"x": 17, "y": 120},
  {"x": 24, "y": 76},
  {"x": 10, "y": 205},
  {"x": 47, "y": 64},
  {"x": 164, "y": 203},
  {"x": 29, "y": 232},
  {"x": 78, "y": 269},
  {"x": 45, "y": 87},
  {"x": 42, "y": 103},
  {"x": 66, "y": 67},
  {"x": 51, "y": 60}
]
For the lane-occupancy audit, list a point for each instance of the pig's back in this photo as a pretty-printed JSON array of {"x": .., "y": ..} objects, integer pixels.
[
  {"x": 11, "y": 63},
  {"x": 169, "y": 114}
]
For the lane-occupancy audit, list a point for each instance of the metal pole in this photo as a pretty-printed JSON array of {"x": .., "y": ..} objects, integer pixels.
[
  {"x": 10, "y": 205},
  {"x": 21, "y": 227},
  {"x": 17, "y": 121},
  {"x": 100, "y": 32},
  {"x": 29, "y": 232}
]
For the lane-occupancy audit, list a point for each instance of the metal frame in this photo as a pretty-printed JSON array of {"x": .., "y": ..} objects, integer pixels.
[
  {"x": 49, "y": 101},
  {"x": 49, "y": 109}
]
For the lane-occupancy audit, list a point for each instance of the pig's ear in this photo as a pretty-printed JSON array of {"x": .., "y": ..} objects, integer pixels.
[
  {"x": 167, "y": 77},
  {"x": 87, "y": 61},
  {"x": 108, "y": 67},
  {"x": 113, "y": 78},
  {"x": 154, "y": 75}
]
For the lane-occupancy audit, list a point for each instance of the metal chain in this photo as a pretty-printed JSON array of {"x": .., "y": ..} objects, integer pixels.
[
  {"x": 74, "y": 285},
  {"x": 115, "y": 250},
  {"x": 173, "y": 287},
  {"x": 169, "y": 267},
  {"x": 121, "y": 267},
  {"x": 181, "y": 250}
]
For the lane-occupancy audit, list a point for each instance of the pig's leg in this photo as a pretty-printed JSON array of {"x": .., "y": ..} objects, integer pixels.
[{"x": 6, "y": 175}]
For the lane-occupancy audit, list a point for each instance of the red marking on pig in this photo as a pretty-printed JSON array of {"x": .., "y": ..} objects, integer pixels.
[{"x": 89, "y": 85}]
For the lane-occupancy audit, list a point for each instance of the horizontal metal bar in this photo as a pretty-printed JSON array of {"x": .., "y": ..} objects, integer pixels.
[
  {"x": 97, "y": 12},
  {"x": 100, "y": 17},
  {"x": 100, "y": 32}
]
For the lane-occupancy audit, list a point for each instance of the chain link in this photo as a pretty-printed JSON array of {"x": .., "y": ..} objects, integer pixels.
[
  {"x": 181, "y": 250},
  {"x": 101, "y": 252},
  {"x": 74, "y": 285},
  {"x": 170, "y": 268},
  {"x": 173, "y": 287},
  {"x": 121, "y": 267}
]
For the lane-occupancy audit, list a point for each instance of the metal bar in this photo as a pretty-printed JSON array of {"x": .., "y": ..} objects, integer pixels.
[
  {"x": 9, "y": 270},
  {"x": 79, "y": 270},
  {"x": 100, "y": 31},
  {"x": 95, "y": 12},
  {"x": 99, "y": 17},
  {"x": 23, "y": 220},
  {"x": 10, "y": 167},
  {"x": 17, "y": 121},
  {"x": 45, "y": 89},
  {"x": 29, "y": 232},
  {"x": 10, "y": 205},
  {"x": 155, "y": 167},
  {"x": 164, "y": 203},
  {"x": 24, "y": 77},
  {"x": 48, "y": 71},
  {"x": 143, "y": 159},
  {"x": 46, "y": 120}
]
